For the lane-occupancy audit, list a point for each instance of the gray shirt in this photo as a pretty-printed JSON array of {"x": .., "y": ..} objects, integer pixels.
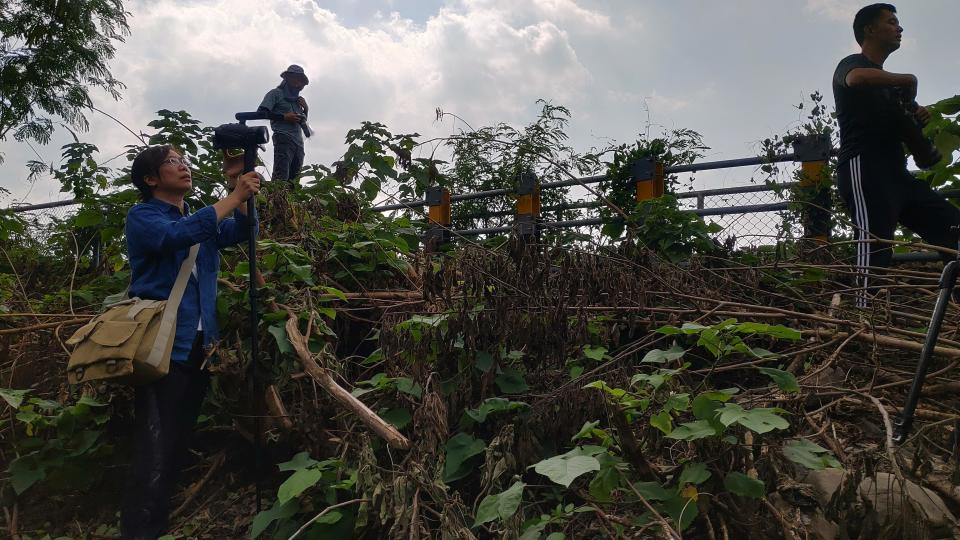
[{"x": 275, "y": 102}]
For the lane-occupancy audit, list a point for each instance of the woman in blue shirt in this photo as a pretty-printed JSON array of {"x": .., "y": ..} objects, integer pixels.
[{"x": 160, "y": 231}]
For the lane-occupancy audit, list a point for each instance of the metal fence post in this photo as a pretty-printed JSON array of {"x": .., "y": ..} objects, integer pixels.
[
  {"x": 649, "y": 177},
  {"x": 438, "y": 200},
  {"x": 527, "y": 219},
  {"x": 813, "y": 152}
]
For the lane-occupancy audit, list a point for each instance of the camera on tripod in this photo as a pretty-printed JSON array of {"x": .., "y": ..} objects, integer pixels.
[{"x": 242, "y": 136}]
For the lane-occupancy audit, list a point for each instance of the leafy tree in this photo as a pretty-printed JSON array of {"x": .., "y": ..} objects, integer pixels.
[{"x": 52, "y": 53}]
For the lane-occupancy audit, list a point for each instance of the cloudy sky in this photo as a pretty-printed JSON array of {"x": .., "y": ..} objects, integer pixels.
[{"x": 731, "y": 69}]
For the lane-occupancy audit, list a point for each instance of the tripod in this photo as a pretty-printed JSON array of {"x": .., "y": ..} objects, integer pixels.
[{"x": 948, "y": 281}]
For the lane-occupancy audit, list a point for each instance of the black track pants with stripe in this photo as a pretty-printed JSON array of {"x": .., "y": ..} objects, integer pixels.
[{"x": 879, "y": 194}]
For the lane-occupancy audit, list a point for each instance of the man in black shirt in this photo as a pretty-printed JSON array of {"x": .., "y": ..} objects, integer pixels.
[{"x": 872, "y": 170}]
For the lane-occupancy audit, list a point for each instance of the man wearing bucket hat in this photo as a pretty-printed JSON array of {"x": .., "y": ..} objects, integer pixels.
[{"x": 289, "y": 117}]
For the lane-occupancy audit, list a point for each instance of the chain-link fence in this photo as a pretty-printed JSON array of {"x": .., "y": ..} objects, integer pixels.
[
  {"x": 749, "y": 215},
  {"x": 736, "y": 211},
  {"x": 42, "y": 219}
]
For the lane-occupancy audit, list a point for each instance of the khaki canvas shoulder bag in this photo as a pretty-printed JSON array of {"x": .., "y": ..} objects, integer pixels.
[{"x": 131, "y": 342}]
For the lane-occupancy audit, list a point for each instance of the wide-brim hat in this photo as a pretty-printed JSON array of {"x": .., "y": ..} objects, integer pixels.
[{"x": 296, "y": 70}]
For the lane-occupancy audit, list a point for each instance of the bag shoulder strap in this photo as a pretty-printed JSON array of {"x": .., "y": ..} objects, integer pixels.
[{"x": 165, "y": 333}]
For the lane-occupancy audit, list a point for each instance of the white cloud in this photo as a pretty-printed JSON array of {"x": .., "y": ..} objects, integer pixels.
[
  {"x": 838, "y": 10},
  {"x": 484, "y": 60},
  {"x": 731, "y": 72}
]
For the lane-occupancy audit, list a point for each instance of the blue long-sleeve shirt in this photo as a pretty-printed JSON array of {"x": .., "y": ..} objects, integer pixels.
[{"x": 158, "y": 240}]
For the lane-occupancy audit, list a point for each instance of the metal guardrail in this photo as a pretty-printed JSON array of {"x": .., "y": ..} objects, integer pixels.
[{"x": 704, "y": 166}]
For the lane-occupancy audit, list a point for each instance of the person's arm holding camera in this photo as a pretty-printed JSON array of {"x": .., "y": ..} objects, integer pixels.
[
  {"x": 235, "y": 230},
  {"x": 905, "y": 83}
]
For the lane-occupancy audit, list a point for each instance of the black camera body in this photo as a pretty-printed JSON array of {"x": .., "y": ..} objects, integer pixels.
[
  {"x": 925, "y": 153},
  {"x": 239, "y": 136},
  {"x": 242, "y": 136}
]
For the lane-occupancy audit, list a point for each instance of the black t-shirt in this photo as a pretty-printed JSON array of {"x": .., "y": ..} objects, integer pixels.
[{"x": 867, "y": 116}]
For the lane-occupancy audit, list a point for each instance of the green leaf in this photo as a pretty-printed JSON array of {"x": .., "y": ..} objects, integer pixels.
[
  {"x": 25, "y": 472},
  {"x": 88, "y": 401},
  {"x": 399, "y": 417},
  {"x": 760, "y": 352},
  {"x": 681, "y": 510},
  {"x": 694, "y": 473},
  {"x": 741, "y": 484},
  {"x": 14, "y": 398},
  {"x": 88, "y": 217},
  {"x": 772, "y": 330},
  {"x": 511, "y": 382},
  {"x": 565, "y": 469},
  {"x": 658, "y": 356},
  {"x": 278, "y": 511},
  {"x": 492, "y": 405},
  {"x": 692, "y": 431},
  {"x": 299, "y": 462},
  {"x": 949, "y": 106},
  {"x": 669, "y": 330},
  {"x": 594, "y": 353},
  {"x": 652, "y": 491},
  {"x": 655, "y": 380},
  {"x": 279, "y": 333},
  {"x": 329, "y": 518},
  {"x": 460, "y": 448},
  {"x": 662, "y": 421},
  {"x": 303, "y": 272},
  {"x": 758, "y": 420},
  {"x": 784, "y": 379},
  {"x": 586, "y": 431},
  {"x": 408, "y": 386},
  {"x": 693, "y": 328},
  {"x": 298, "y": 482},
  {"x": 947, "y": 143},
  {"x": 335, "y": 292},
  {"x": 677, "y": 402},
  {"x": 810, "y": 455},
  {"x": 501, "y": 506},
  {"x": 604, "y": 482},
  {"x": 484, "y": 361}
]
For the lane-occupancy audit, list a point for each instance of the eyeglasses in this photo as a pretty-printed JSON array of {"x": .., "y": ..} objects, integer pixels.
[
  {"x": 175, "y": 161},
  {"x": 233, "y": 152}
]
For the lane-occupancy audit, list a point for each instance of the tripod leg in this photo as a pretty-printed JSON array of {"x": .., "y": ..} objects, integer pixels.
[{"x": 948, "y": 280}]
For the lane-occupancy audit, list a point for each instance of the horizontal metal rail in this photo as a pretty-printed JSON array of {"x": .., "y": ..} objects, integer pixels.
[
  {"x": 42, "y": 206},
  {"x": 590, "y": 222},
  {"x": 729, "y": 163},
  {"x": 704, "y": 166}
]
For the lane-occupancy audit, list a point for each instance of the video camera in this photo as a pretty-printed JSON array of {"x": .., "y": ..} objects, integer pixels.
[
  {"x": 242, "y": 136},
  {"x": 925, "y": 153}
]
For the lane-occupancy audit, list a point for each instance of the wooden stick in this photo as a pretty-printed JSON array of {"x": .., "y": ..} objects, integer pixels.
[
  {"x": 276, "y": 408},
  {"x": 889, "y": 341},
  {"x": 194, "y": 490},
  {"x": 324, "y": 511},
  {"x": 41, "y": 326},
  {"x": 322, "y": 376}
]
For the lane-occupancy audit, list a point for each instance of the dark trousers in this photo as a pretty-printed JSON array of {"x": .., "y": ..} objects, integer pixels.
[
  {"x": 879, "y": 193},
  {"x": 287, "y": 158},
  {"x": 165, "y": 413}
]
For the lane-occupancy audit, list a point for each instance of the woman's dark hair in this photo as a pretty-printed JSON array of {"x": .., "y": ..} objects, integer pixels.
[
  {"x": 867, "y": 16},
  {"x": 147, "y": 163}
]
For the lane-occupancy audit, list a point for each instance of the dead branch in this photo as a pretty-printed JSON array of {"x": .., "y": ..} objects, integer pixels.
[{"x": 322, "y": 376}]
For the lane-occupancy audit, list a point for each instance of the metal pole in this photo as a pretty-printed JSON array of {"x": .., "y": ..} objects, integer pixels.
[{"x": 249, "y": 163}]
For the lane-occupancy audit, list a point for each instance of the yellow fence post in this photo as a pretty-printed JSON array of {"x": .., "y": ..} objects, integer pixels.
[
  {"x": 527, "y": 220},
  {"x": 813, "y": 153},
  {"x": 649, "y": 178},
  {"x": 438, "y": 202}
]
